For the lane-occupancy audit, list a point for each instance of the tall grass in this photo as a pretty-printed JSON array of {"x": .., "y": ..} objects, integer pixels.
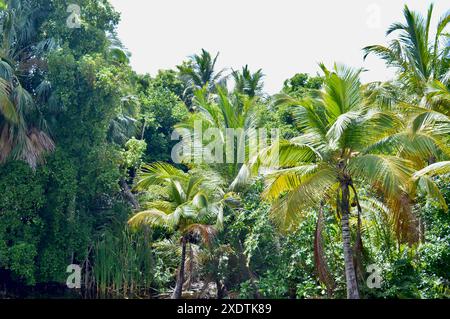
[{"x": 123, "y": 265}]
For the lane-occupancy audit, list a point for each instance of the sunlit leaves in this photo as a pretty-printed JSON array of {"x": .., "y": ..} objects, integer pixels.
[
  {"x": 289, "y": 209},
  {"x": 386, "y": 173},
  {"x": 418, "y": 58},
  {"x": 434, "y": 169}
]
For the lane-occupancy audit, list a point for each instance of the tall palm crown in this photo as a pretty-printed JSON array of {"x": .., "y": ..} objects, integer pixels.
[
  {"x": 422, "y": 138},
  {"x": 200, "y": 71},
  {"x": 422, "y": 97},
  {"x": 22, "y": 134},
  {"x": 226, "y": 112},
  {"x": 340, "y": 143},
  {"x": 422, "y": 93},
  {"x": 248, "y": 83},
  {"x": 337, "y": 151},
  {"x": 185, "y": 198},
  {"x": 419, "y": 58}
]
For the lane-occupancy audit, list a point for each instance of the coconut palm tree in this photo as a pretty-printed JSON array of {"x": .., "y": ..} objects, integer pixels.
[
  {"x": 200, "y": 72},
  {"x": 421, "y": 96},
  {"x": 22, "y": 131},
  {"x": 422, "y": 139},
  {"x": 422, "y": 88},
  {"x": 233, "y": 117},
  {"x": 248, "y": 83},
  {"x": 190, "y": 205},
  {"x": 418, "y": 58},
  {"x": 337, "y": 154}
]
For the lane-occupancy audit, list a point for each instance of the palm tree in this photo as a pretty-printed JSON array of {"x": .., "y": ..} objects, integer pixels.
[
  {"x": 423, "y": 85},
  {"x": 188, "y": 204},
  {"x": 438, "y": 96},
  {"x": 336, "y": 155},
  {"x": 227, "y": 112},
  {"x": 422, "y": 139},
  {"x": 418, "y": 59},
  {"x": 421, "y": 96},
  {"x": 248, "y": 83},
  {"x": 22, "y": 131},
  {"x": 199, "y": 72},
  {"x": 117, "y": 51}
]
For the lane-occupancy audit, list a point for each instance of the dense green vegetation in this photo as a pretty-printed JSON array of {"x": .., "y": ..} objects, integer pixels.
[{"x": 358, "y": 179}]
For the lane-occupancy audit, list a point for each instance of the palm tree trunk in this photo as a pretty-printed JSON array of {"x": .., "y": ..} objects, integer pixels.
[
  {"x": 191, "y": 268},
  {"x": 177, "y": 293},
  {"x": 144, "y": 127},
  {"x": 350, "y": 274},
  {"x": 220, "y": 289}
]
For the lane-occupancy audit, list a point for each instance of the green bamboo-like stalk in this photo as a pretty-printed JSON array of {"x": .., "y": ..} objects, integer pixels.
[{"x": 123, "y": 265}]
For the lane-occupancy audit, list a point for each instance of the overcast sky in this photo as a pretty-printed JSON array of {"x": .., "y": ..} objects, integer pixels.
[{"x": 283, "y": 37}]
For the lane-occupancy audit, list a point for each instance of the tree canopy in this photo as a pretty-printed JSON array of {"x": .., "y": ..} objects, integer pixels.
[{"x": 298, "y": 194}]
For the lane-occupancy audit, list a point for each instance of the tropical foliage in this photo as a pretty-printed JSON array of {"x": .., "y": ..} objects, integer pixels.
[{"x": 348, "y": 199}]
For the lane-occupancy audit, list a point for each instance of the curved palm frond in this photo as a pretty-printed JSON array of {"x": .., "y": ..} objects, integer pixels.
[
  {"x": 152, "y": 217},
  {"x": 389, "y": 174},
  {"x": 439, "y": 168},
  {"x": 288, "y": 210},
  {"x": 23, "y": 130},
  {"x": 438, "y": 96},
  {"x": 158, "y": 174},
  {"x": 342, "y": 91},
  {"x": 429, "y": 187},
  {"x": 286, "y": 180},
  {"x": 418, "y": 58}
]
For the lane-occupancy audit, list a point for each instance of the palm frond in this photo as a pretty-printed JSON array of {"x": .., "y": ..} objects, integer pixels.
[
  {"x": 159, "y": 174},
  {"x": 433, "y": 170},
  {"x": 342, "y": 91},
  {"x": 389, "y": 174},
  {"x": 432, "y": 190},
  {"x": 289, "y": 210},
  {"x": 153, "y": 217}
]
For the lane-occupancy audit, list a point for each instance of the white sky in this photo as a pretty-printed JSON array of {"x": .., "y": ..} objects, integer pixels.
[{"x": 283, "y": 37}]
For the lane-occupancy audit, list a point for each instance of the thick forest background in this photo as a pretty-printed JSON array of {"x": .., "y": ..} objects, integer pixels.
[{"x": 85, "y": 148}]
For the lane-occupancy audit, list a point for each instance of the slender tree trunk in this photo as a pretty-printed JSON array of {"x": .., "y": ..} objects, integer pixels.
[
  {"x": 251, "y": 276},
  {"x": 350, "y": 274},
  {"x": 128, "y": 194},
  {"x": 191, "y": 268},
  {"x": 144, "y": 127},
  {"x": 177, "y": 293},
  {"x": 220, "y": 289},
  {"x": 421, "y": 230}
]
